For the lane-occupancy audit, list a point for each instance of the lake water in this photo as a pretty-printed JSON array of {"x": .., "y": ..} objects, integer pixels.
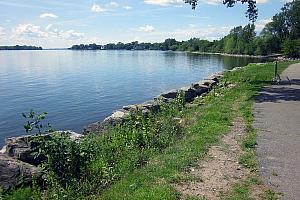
[{"x": 80, "y": 87}]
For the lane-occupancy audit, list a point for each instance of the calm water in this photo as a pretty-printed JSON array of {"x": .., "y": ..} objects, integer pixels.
[{"x": 80, "y": 87}]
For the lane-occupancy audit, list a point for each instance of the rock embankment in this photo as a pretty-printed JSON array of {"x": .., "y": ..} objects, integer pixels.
[
  {"x": 200, "y": 88},
  {"x": 18, "y": 163},
  {"x": 15, "y": 173}
]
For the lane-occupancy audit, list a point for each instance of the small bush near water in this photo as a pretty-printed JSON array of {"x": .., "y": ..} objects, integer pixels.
[{"x": 75, "y": 169}]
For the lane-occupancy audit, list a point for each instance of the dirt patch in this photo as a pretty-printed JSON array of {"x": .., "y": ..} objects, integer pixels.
[
  {"x": 220, "y": 169},
  {"x": 257, "y": 191}
]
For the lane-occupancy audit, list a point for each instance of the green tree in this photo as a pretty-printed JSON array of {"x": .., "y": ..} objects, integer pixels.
[
  {"x": 229, "y": 44},
  {"x": 284, "y": 30},
  {"x": 291, "y": 48}
]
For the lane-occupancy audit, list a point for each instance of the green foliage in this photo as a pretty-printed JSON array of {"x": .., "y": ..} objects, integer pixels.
[
  {"x": 76, "y": 168},
  {"x": 286, "y": 23},
  {"x": 36, "y": 192},
  {"x": 270, "y": 195},
  {"x": 65, "y": 157},
  {"x": 35, "y": 124},
  {"x": 291, "y": 48},
  {"x": 240, "y": 192},
  {"x": 284, "y": 30},
  {"x": 19, "y": 194},
  {"x": 251, "y": 12}
]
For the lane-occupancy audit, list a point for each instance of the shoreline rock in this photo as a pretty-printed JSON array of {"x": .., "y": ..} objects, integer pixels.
[
  {"x": 198, "y": 89},
  {"x": 239, "y": 55},
  {"x": 15, "y": 173},
  {"x": 22, "y": 147}
]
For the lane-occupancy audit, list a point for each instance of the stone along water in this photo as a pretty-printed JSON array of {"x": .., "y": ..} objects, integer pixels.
[{"x": 80, "y": 87}]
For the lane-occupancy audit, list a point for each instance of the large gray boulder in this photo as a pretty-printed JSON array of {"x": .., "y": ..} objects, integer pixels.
[
  {"x": 189, "y": 93},
  {"x": 15, "y": 173},
  {"x": 200, "y": 89},
  {"x": 215, "y": 77},
  {"x": 95, "y": 128},
  {"x": 167, "y": 97},
  {"x": 153, "y": 106},
  {"x": 208, "y": 82},
  {"x": 99, "y": 127},
  {"x": 22, "y": 147},
  {"x": 170, "y": 95}
]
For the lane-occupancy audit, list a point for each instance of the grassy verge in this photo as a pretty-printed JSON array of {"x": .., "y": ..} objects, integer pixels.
[
  {"x": 252, "y": 186},
  {"x": 146, "y": 159},
  {"x": 205, "y": 124}
]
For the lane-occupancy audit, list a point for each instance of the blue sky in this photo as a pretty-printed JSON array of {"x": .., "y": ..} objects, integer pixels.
[{"x": 61, "y": 23}]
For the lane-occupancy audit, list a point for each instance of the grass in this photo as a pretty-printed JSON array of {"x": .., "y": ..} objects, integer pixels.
[
  {"x": 19, "y": 194},
  {"x": 210, "y": 120},
  {"x": 201, "y": 127}
]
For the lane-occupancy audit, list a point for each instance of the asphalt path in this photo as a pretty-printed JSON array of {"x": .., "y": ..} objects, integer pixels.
[{"x": 277, "y": 118}]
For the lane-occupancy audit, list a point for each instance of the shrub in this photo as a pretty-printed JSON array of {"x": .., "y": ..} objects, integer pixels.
[{"x": 77, "y": 168}]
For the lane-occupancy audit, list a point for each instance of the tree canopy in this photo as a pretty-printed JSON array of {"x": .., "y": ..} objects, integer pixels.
[
  {"x": 283, "y": 32},
  {"x": 251, "y": 12}
]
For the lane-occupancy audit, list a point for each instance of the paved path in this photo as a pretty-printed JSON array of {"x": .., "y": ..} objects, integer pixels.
[{"x": 277, "y": 117}]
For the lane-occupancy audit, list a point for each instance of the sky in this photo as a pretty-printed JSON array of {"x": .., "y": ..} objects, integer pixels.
[{"x": 62, "y": 23}]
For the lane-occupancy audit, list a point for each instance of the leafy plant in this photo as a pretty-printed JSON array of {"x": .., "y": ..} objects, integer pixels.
[
  {"x": 75, "y": 168},
  {"x": 34, "y": 123}
]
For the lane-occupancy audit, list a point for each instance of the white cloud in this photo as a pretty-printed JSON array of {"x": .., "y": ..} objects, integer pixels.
[
  {"x": 261, "y": 24},
  {"x": 48, "y": 15},
  {"x": 71, "y": 35},
  {"x": 2, "y": 31},
  {"x": 48, "y": 27},
  {"x": 184, "y": 33},
  {"x": 127, "y": 7},
  {"x": 262, "y": 1},
  {"x": 113, "y": 3},
  {"x": 212, "y": 2},
  {"x": 68, "y": 35},
  {"x": 97, "y": 9},
  {"x": 146, "y": 28},
  {"x": 29, "y": 30},
  {"x": 164, "y": 2},
  {"x": 209, "y": 32},
  {"x": 26, "y": 31}
]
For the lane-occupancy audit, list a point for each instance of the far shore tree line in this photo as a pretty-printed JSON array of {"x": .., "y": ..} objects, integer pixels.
[
  {"x": 281, "y": 35},
  {"x": 18, "y": 47}
]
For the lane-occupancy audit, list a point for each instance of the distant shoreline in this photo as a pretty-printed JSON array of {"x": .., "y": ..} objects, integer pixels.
[
  {"x": 19, "y": 47},
  {"x": 33, "y": 48},
  {"x": 238, "y": 55}
]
